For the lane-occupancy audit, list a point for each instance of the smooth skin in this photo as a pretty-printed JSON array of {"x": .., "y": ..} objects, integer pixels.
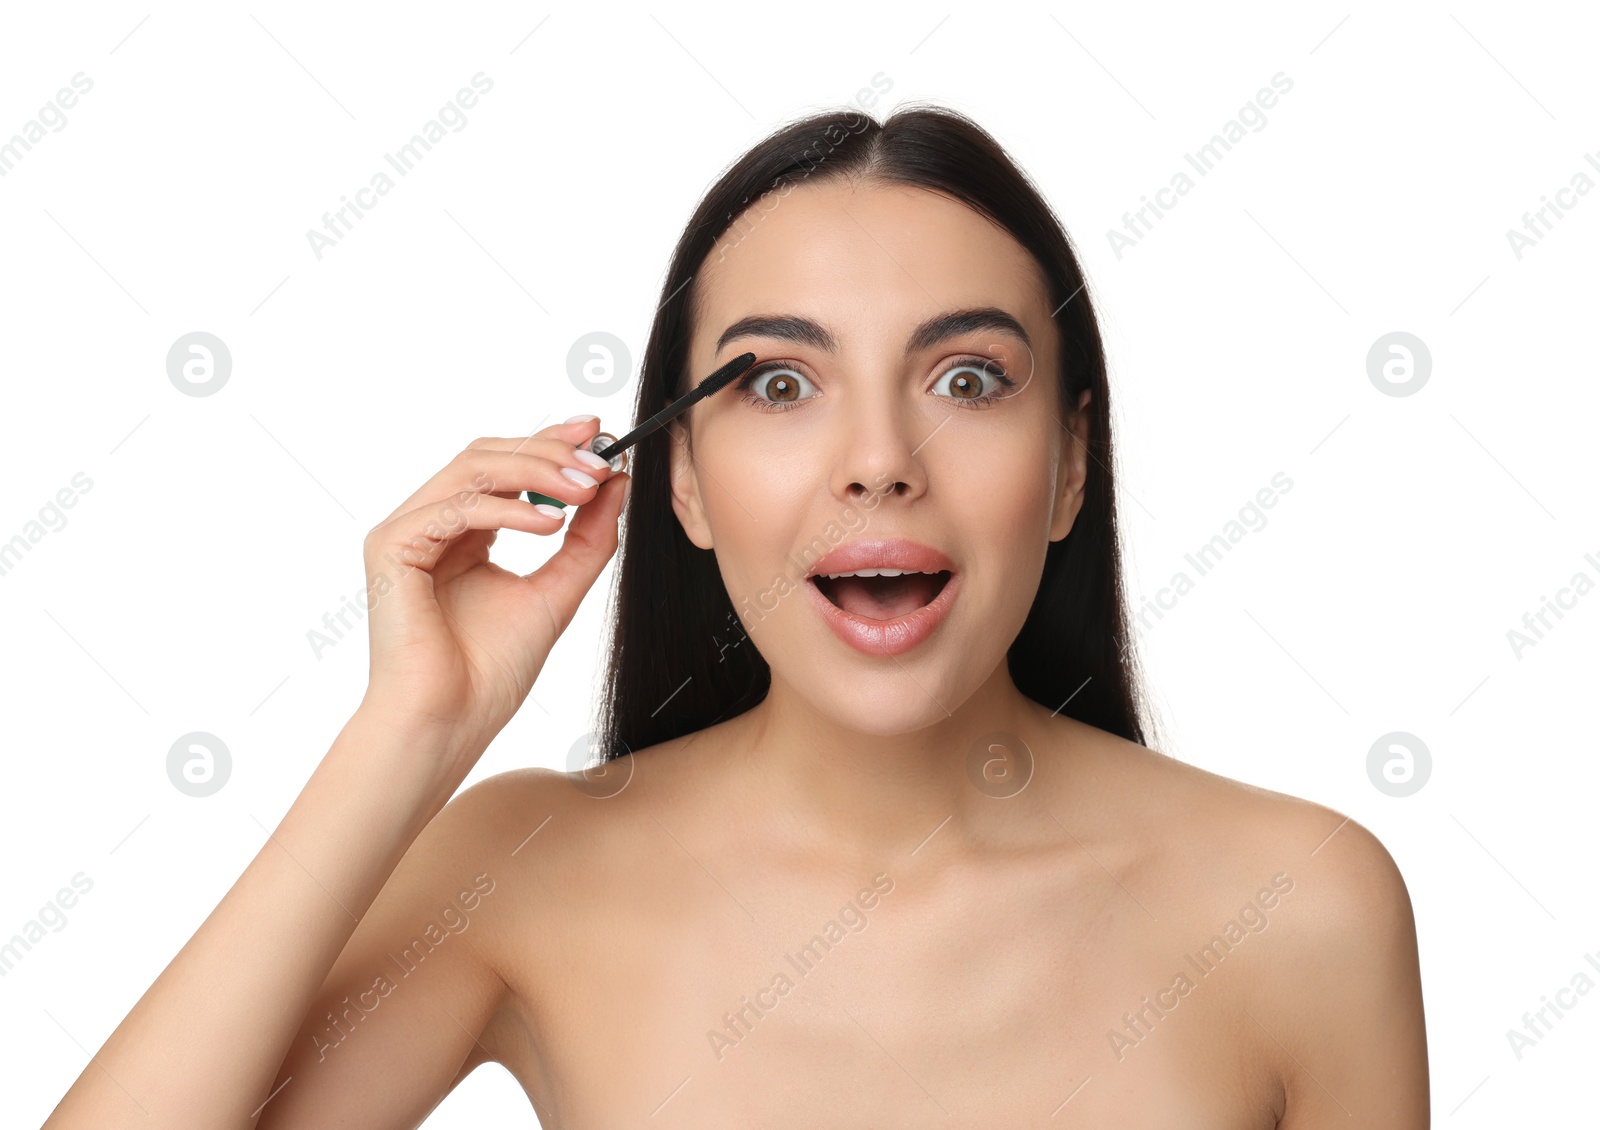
[{"x": 598, "y": 940}]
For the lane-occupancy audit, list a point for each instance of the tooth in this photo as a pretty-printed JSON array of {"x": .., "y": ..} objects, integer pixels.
[{"x": 877, "y": 573}]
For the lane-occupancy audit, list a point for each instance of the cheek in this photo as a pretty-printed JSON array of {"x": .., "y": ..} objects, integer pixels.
[
  {"x": 755, "y": 508},
  {"x": 738, "y": 540},
  {"x": 1009, "y": 504},
  {"x": 757, "y": 477}
]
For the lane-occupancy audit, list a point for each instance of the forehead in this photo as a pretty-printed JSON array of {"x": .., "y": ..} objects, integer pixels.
[{"x": 868, "y": 260}]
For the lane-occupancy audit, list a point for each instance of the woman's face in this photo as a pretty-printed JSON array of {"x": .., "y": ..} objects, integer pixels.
[{"x": 870, "y": 426}]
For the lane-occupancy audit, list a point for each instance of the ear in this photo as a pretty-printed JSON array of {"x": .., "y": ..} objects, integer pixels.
[
  {"x": 685, "y": 487},
  {"x": 1073, "y": 471}
]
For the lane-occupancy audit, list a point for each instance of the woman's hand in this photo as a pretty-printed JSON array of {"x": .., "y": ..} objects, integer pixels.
[{"x": 456, "y": 640}]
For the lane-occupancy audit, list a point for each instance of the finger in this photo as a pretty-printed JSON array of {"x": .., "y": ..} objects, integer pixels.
[
  {"x": 418, "y": 538},
  {"x": 590, "y": 542},
  {"x": 508, "y": 474},
  {"x": 573, "y": 431},
  {"x": 490, "y": 465},
  {"x": 468, "y": 551}
]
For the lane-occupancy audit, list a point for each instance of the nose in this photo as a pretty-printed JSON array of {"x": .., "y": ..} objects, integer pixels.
[{"x": 881, "y": 444}]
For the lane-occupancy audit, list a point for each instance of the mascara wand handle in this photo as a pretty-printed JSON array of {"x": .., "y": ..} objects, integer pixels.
[
  {"x": 705, "y": 388},
  {"x": 613, "y": 450}
]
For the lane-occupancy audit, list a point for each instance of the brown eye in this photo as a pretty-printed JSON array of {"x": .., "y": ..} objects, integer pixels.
[
  {"x": 783, "y": 388},
  {"x": 966, "y": 382},
  {"x": 965, "y": 386},
  {"x": 774, "y": 386}
]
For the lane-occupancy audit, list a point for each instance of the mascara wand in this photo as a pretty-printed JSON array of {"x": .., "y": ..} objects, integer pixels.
[{"x": 611, "y": 449}]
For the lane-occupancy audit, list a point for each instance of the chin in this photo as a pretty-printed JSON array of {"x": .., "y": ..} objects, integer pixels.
[{"x": 887, "y": 703}]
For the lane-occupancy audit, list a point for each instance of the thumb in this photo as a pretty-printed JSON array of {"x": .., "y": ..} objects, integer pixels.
[{"x": 590, "y": 542}]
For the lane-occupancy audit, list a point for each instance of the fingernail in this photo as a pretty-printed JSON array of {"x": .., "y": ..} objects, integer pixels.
[
  {"x": 591, "y": 459},
  {"x": 581, "y": 419},
  {"x": 548, "y": 511},
  {"x": 578, "y": 477}
]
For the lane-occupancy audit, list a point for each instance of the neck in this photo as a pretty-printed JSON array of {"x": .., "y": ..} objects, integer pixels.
[{"x": 886, "y": 795}]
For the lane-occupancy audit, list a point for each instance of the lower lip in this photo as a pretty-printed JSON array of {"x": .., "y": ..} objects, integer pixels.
[{"x": 886, "y": 637}]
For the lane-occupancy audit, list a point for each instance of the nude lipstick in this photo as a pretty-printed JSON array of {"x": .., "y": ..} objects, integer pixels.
[{"x": 897, "y": 635}]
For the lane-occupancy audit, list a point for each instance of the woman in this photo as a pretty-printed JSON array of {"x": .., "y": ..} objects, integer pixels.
[{"x": 865, "y": 850}]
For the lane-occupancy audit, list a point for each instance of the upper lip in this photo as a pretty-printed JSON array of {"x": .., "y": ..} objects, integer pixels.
[{"x": 888, "y": 553}]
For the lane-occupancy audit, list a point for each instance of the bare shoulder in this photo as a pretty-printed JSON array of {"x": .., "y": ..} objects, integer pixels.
[
  {"x": 1230, "y": 823},
  {"x": 530, "y": 843},
  {"x": 497, "y": 807},
  {"x": 1347, "y": 885},
  {"x": 1339, "y": 998},
  {"x": 533, "y": 812},
  {"x": 532, "y": 823},
  {"x": 1331, "y": 993},
  {"x": 563, "y": 843},
  {"x": 515, "y": 832}
]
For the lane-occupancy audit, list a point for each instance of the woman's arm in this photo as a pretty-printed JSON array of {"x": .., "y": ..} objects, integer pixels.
[
  {"x": 203, "y": 1046},
  {"x": 1345, "y": 1018},
  {"x": 401, "y": 1017},
  {"x": 456, "y": 643}
]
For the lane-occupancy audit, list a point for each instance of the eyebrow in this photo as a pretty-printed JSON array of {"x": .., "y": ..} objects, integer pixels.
[{"x": 941, "y": 327}]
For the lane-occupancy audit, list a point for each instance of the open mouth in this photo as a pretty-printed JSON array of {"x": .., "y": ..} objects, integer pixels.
[{"x": 885, "y": 594}]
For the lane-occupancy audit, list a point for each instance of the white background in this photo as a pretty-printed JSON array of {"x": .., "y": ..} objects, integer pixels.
[{"x": 220, "y": 529}]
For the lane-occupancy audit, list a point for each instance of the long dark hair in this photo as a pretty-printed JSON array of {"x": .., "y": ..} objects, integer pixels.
[{"x": 679, "y": 660}]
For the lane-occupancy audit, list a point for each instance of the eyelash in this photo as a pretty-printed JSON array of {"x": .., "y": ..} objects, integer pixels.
[{"x": 984, "y": 363}]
